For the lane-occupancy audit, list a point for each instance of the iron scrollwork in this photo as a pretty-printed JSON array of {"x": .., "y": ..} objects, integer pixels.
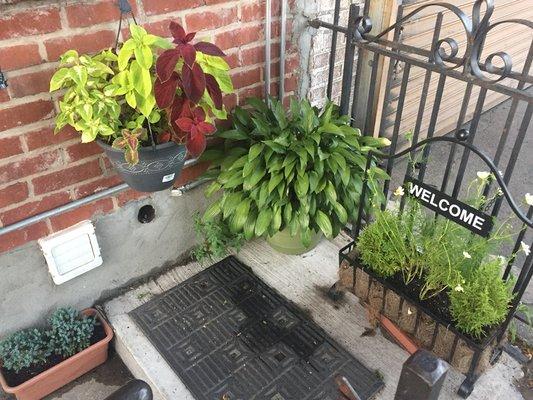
[{"x": 446, "y": 50}]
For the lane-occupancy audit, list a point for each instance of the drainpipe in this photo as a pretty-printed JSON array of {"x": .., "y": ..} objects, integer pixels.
[
  {"x": 86, "y": 200},
  {"x": 283, "y": 35},
  {"x": 268, "y": 40}
]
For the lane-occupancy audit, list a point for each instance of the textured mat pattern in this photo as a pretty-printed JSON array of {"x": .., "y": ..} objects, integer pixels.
[{"x": 229, "y": 336}]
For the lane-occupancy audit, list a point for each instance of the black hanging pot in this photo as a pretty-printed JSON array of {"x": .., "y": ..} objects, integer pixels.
[{"x": 158, "y": 167}]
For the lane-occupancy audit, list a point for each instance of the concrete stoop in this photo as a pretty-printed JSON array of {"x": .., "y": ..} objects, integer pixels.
[{"x": 304, "y": 280}]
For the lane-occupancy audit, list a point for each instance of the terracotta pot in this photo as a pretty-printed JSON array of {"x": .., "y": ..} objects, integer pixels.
[{"x": 65, "y": 372}]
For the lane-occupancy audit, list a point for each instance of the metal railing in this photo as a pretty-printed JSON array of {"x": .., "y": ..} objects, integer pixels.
[
  {"x": 441, "y": 64},
  {"x": 86, "y": 200}
]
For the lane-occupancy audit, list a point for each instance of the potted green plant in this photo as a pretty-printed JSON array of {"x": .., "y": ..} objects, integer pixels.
[
  {"x": 289, "y": 176},
  {"x": 146, "y": 104},
  {"x": 36, "y": 362}
]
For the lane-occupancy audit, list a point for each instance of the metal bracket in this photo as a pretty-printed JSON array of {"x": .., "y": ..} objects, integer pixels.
[
  {"x": 3, "y": 81},
  {"x": 124, "y": 6}
]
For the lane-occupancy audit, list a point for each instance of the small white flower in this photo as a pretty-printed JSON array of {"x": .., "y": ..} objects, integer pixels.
[
  {"x": 529, "y": 199},
  {"x": 500, "y": 173},
  {"x": 399, "y": 191},
  {"x": 466, "y": 254},
  {"x": 483, "y": 175},
  {"x": 459, "y": 288},
  {"x": 409, "y": 312},
  {"x": 499, "y": 192},
  {"x": 525, "y": 248}
]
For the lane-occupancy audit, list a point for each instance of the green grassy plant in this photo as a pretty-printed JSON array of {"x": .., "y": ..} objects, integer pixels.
[
  {"x": 482, "y": 300},
  {"x": 446, "y": 256}
]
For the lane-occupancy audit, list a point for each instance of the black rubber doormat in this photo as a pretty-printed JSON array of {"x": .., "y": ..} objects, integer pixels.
[{"x": 229, "y": 336}]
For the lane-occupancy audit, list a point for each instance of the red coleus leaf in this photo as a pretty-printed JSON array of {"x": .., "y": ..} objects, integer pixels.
[
  {"x": 193, "y": 82},
  {"x": 198, "y": 114},
  {"x": 214, "y": 91},
  {"x": 196, "y": 143},
  {"x": 163, "y": 137},
  {"x": 206, "y": 128},
  {"x": 176, "y": 110},
  {"x": 180, "y": 104},
  {"x": 189, "y": 119},
  {"x": 209, "y": 48},
  {"x": 177, "y": 31},
  {"x": 190, "y": 36},
  {"x": 189, "y": 53},
  {"x": 164, "y": 92},
  {"x": 185, "y": 124},
  {"x": 166, "y": 63}
]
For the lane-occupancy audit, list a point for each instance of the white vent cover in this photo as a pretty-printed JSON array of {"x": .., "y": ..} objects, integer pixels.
[{"x": 71, "y": 252}]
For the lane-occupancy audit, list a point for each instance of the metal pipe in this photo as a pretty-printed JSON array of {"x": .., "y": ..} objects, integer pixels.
[
  {"x": 268, "y": 41},
  {"x": 333, "y": 50},
  {"x": 180, "y": 191},
  {"x": 72, "y": 205},
  {"x": 349, "y": 54},
  {"x": 283, "y": 35}
]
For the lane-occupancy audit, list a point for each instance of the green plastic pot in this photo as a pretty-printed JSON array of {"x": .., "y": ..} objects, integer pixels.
[{"x": 287, "y": 244}]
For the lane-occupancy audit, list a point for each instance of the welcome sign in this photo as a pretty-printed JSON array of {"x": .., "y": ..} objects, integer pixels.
[{"x": 450, "y": 208}]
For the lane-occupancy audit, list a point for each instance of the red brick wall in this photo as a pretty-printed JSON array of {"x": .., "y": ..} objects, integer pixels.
[{"x": 40, "y": 171}]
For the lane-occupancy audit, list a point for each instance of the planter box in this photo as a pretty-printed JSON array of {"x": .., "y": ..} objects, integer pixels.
[
  {"x": 467, "y": 355},
  {"x": 66, "y": 371}
]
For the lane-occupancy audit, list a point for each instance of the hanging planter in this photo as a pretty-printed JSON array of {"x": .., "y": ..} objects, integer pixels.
[
  {"x": 147, "y": 103},
  {"x": 157, "y": 168}
]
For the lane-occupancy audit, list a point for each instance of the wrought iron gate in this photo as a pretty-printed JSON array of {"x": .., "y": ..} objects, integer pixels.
[{"x": 444, "y": 62}]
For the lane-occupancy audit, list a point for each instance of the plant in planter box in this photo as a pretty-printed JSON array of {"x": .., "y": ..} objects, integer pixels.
[
  {"x": 70, "y": 332},
  {"x": 289, "y": 175},
  {"x": 144, "y": 108},
  {"x": 24, "y": 349},
  {"x": 442, "y": 262},
  {"x": 35, "y": 362}
]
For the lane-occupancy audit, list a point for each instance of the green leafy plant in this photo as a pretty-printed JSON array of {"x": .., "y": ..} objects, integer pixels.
[
  {"x": 114, "y": 93},
  {"x": 215, "y": 239},
  {"x": 300, "y": 170},
  {"x": 24, "y": 349},
  {"x": 70, "y": 331}
]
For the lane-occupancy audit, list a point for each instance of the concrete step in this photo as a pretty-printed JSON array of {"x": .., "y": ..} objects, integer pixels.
[{"x": 304, "y": 280}]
